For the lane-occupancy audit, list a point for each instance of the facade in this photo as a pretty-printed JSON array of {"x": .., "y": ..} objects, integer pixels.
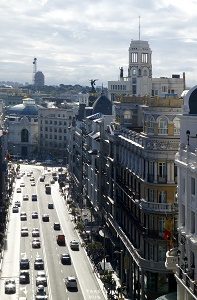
[
  {"x": 139, "y": 81},
  {"x": 53, "y": 130},
  {"x": 183, "y": 260},
  {"x": 22, "y": 123}
]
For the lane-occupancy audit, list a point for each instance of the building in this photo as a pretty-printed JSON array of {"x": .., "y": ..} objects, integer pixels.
[
  {"x": 139, "y": 80},
  {"x": 39, "y": 79},
  {"x": 21, "y": 122},
  {"x": 53, "y": 130},
  {"x": 183, "y": 260}
]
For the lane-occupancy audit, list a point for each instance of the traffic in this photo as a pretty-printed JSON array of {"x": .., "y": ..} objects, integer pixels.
[{"x": 44, "y": 258}]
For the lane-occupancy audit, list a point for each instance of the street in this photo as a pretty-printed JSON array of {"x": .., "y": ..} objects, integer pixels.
[{"x": 18, "y": 246}]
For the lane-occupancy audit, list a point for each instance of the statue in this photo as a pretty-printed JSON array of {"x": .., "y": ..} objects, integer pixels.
[
  {"x": 93, "y": 83},
  {"x": 121, "y": 72}
]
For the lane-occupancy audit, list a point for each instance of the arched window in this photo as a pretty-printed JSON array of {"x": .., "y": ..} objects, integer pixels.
[
  {"x": 145, "y": 73},
  {"x": 176, "y": 122},
  {"x": 150, "y": 124},
  {"x": 24, "y": 136},
  {"x": 163, "y": 126}
]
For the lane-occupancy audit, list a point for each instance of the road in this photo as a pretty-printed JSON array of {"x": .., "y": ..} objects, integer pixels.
[{"x": 19, "y": 247}]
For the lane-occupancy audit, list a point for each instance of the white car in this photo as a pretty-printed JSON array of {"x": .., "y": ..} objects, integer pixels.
[
  {"x": 71, "y": 282},
  {"x": 17, "y": 203},
  {"x": 41, "y": 278},
  {"x": 23, "y": 216},
  {"x": 74, "y": 245},
  {"x": 33, "y": 183},
  {"x": 36, "y": 243},
  {"x": 22, "y": 184},
  {"x": 34, "y": 215},
  {"x": 15, "y": 209},
  {"x": 18, "y": 190},
  {"x": 10, "y": 286}
]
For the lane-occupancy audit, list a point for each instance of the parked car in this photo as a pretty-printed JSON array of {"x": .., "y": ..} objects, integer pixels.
[
  {"x": 10, "y": 286},
  {"x": 34, "y": 215},
  {"x": 25, "y": 197},
  {"x": 18, "y": 190},
  {"x": 41, "y": 293},
  {"x": 50, "y": 205},
  {"x": 22, "y": 184},
  {"x": 17, "y": 203},
  {"x": 23, "y": 216},
  {"x": 34, "y": 197}
]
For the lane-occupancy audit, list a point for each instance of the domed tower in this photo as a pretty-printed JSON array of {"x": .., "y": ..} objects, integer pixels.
[
  {"x": 39, "y": 79},
  {"x": 140, "y": 67}
]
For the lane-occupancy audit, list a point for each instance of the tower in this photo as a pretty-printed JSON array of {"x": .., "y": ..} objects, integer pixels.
[{"x": 34, "y": 70}]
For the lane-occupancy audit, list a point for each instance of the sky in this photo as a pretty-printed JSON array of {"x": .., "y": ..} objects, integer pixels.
[{"x": 78, "y": 40}]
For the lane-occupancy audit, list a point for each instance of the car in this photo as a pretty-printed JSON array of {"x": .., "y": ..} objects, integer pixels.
[
  {"x": 71, "y": 282},
  {"x": 15, "y": 209},
  {"x": 25, "y": 197},
  {"x": 23, "y": 216},
  {"x": 33, "y": 183},
  {"x": 32, "y": 179},
  {"x": 34, "y": 215},
  {"x": 28, "y": 174},
  {"x": 36, "y": 243},
  {"x": 17, "y": 203},
  {"x": 24, "y": 277},
  {"x": 45, "y": 218},
  {"x": 65, "y": 259},
  {"x": 52, "y": 181},
  {"x": 22, "y": 184},
  {"x": 18, "y": 190},
  {"x": 41, "y": 278},
  {"x": 56, "y": 226},
  {"x": 35, "y": 232},
  {"x": 42, "y": 178},
  {"x": 41, "y": 293},
  {"x": 74, "y": 245},
  {"x": 24, "y": 231},
  {"x": 50, "y": 205},
  {"x": 38, "y": 264},
  {"x": 10, "y": 286},
  {"x": 18, "y": 176},
  {"x": 38, "y": 163},
  {"x": 24, "y": 264},
  {"x": 34, "y": 197}
]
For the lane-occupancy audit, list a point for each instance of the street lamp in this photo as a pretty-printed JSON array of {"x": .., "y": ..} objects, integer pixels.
[{"x": 121, "y": 270}]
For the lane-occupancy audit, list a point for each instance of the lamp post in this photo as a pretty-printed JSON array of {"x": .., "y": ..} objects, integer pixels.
[{"x": 121, "y": 270}]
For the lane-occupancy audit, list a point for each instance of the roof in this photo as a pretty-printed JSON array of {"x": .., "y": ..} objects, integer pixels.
[
  {"x": 27, "y": 108},
  {"x": 102, "y": 105}
]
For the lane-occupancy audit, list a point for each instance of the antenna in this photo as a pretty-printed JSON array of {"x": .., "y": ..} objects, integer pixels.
[
  {"x": 139, "y": 28},
  {"x": 34, "y": 70}
]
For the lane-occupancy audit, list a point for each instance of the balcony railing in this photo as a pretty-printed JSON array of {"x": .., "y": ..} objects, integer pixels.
[
  {"x": 162, "y": 179},
  {"x": 186, "y": 280},
  {"x": 158, "y": 207}
]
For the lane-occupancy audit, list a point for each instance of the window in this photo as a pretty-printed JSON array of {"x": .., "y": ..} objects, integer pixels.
[
  {"x": 134, "y": 90},
  {"x": 150, "y": 124},
  {"x": 192, "y": 222},
  {"x": 161, "y": 225},
  {"x": 24, "y": 136},
  {"x": 51, "y": 122},
  {"x": 60, "y": 130},
  {"x": 127, "y": 114},
  {"x": 164, "y": 89},
  {"x": 60, "y": 137},
  {"x": 183, "y": 215},
  {"x": 145, "y": 58},
  {"x": 163, "y": 126},
  {"x": 46, "y": 128},
  {"x": 50, "y": 129},
  {"x": 193, "y": 186},
  {"x": 64, "y": 123},
  {"x": 55, "y": 137},
  {"x": 161, "y": 169},
  {"x": 58, "y": 115},
  {"x": 46, "y": 122},
  {"x": 134, "y": 57},
  {"x": 176, "y": 122},
  {"x": 55, "y": 129},
  {"x": 60, "y": 122},
  {"x": 64, "y": 130},
  {"x": 151, "y": 195},
  {"x": 162, "y": 197},
  {"x": 55, "y": 122},
  {"x": 46, "y": 136}
]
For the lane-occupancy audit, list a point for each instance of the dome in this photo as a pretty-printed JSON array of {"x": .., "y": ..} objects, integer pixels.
[
  {"x": 102, "y": 105},
  {"x": 27, "y": 108}
]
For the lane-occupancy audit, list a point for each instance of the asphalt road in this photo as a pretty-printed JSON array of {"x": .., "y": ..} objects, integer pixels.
[{"x": 19, "y": 247}]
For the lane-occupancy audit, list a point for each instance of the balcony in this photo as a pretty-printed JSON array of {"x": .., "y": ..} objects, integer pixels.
[
  {"x": 162, "y": 179},
  {"x": 187, "y": 280},
  {"x": 158, "y": 207},
  {"x": 171, "y": 259}
]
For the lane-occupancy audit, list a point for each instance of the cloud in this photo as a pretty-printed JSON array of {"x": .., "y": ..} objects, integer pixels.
[{"x": 74, "y": 41}]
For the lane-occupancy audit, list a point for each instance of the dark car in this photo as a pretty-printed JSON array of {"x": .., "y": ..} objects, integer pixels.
[
  {"x": 39, "y": 264},
  {"x": 24, "y": 277},
  {"x": 45, "y": 218},
  {"x": 24, "y": 264},
  {"x": 56, "y": 226},
  {"x": 65, "y": 259},
  {"x": 50, "y": 205}
]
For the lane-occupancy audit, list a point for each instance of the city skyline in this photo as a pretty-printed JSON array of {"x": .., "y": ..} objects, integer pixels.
[{"x": 75, "y": 42}]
